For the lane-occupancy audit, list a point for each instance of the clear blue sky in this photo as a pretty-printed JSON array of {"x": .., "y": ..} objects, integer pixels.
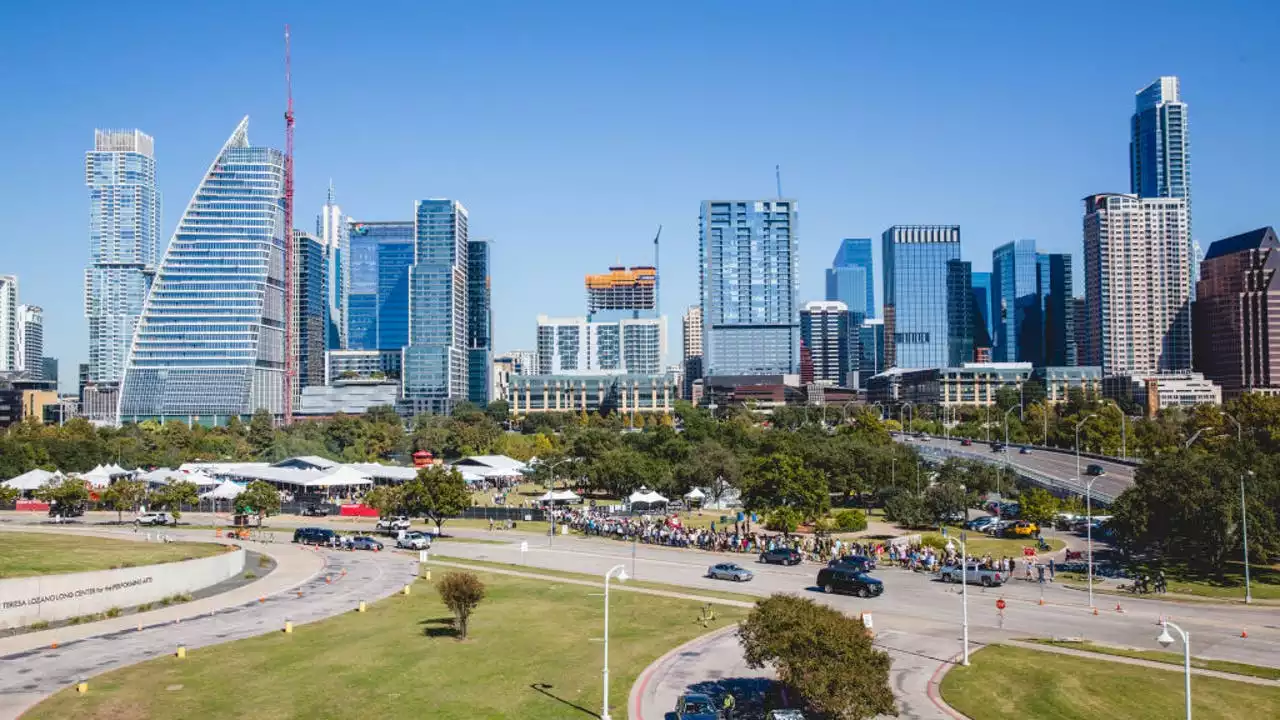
[{"x": 572, "y": 130}]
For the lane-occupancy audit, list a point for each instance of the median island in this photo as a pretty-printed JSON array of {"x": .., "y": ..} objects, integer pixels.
[{"x": 27, "y": 554}]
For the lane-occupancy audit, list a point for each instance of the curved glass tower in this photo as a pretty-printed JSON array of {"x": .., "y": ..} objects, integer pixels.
[{"x": 210, "y": 343}]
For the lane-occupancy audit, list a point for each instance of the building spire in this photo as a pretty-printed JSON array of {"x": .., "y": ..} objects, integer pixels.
[{"x": 330, "y": 191}]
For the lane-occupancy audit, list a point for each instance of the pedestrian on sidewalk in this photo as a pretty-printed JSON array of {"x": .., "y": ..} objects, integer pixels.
[
  {"x": 1052, "y": 568},
  {"x": 727, "y": 705}
]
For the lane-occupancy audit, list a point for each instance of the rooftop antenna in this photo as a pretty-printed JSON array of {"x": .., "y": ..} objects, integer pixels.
[
  {"x": 290, "y": 365},
  {"x": 777, "y": 174},
  {"x": 657, "y": 309}
]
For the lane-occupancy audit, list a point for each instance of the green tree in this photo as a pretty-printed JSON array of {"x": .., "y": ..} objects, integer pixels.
[
  {"x": 780, "y": 480},
  {"x": 9, "y": 495},
  {"x": 851, "y": 520},
  {"x": 498, "y": 411},
  {"x": 65, "y": 495},
  {"x": 945, "y": 501},
  {"x": 461, "y": 592},
  {"x": 386, "y": 499},
  {"x": 1038, "y": 506},
  {"x": 261, "y": 432},
  {"x": 907, "y": 508},
  {"x": 173, "y": 496},
  {"x": 124, "y": 495},
  {"x": 437, "y": 493},
  {"x": 258, "y": 499},
  {"x": 823, "y": 654},
  {"x": 784, "y": 520}
]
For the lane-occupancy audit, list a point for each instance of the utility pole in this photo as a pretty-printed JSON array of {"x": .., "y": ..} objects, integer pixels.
[{"x": 290, "y": 358}]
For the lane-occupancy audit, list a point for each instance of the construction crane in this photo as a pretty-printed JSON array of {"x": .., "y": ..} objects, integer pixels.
[
  {"x": 657, "y": 275},
  {"x": 290, "y": 357}
]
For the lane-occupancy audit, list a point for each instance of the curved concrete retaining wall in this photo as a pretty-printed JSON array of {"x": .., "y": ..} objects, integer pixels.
[{"x": 58, "y": 597}]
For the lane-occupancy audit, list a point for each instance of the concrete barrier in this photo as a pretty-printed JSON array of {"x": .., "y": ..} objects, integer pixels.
[{"x": 57, "y": 597}]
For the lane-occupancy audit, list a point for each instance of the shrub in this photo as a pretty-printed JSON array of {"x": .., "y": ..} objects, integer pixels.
[
  {"x": 784, "y": 520},
  {"x": 264, "y": 561},
  {"x": 113, "y": 612},
  {"x": 39, "y": 625},
  {"x": 461, "y": 592},
  {"x": 248, "y": 575},
  {"x": 937, "y": 542},
  {"x": 144, "y": 607},
  {"x": 851, "y": 520}
]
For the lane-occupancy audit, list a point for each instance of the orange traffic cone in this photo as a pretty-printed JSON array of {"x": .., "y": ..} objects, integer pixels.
[
  {"x": 1041, "y": 601},
  {"x": 1244, "y": 633},
  {"x": 1095, "y": 611},
  {"x": 262, "y": 599},
  {"x": 1118, "y": 608}
]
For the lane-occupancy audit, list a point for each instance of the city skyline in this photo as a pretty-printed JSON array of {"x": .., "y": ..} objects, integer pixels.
[{"x": 498, "y": 183}]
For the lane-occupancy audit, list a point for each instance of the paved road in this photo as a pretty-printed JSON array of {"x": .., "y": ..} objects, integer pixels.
[
  {"x": 1061, "y": 466},
  {"x": 30, "y": 675}
]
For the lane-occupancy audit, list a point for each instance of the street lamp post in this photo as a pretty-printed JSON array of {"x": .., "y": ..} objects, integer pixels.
[
  {"x": 964, "y": 592},
  {"x": 901, "y": 410},
  {"x": 1088, "y": 504},
  {"x": 552, "y": 503},
  {"x": 1165, "y": 640},
  {"x": 1244, "y": 512},
  {"x": 620, "y": 572},
  {"x": 1006, "y": 425}
]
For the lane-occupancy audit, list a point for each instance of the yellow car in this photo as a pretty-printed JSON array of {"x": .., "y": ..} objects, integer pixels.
[{"x": 1022, "y": 528}]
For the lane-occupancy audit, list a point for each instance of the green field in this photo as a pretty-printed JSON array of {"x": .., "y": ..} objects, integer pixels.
[
  {"x": 1009, "y": 683},
  {"x": 980, "y": 544},
  {"x": 1168, "y": 658},
  {"x": 1227, "y": 586},
  {"x": 31, "y": 553},
  {"x": 533, "y": 653}
]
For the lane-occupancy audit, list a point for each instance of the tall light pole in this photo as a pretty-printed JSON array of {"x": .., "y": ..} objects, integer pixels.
[
  {"x": 1124, "y": 432},
  {"x": 620, "y": 572},
  {"x": 1165, "y": 640},
  {"x": 1006, "y": 425},
  {"x": 903, "y": 409},
  {"x": 1244, "y": 512},
  {"x": 551, "y": 502},
  {"x": 964, "y": 593},
  {"x": 1088, "y": 504}
]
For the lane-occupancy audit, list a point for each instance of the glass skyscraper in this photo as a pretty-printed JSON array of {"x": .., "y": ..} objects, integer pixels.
[
  {"x": 1059, "y": 310},
  {"x": 479, "y": 324},
  {"x": 435, "y": 361},
  {"x": 124, "y": 237},
  {"x": 1159, "y": 149},
  {"x": 333, "y": 230},
  {"x": 311, "y": 309},
  {"x": 377, "y": 295},
  {"x": 960, "y": 314},
  {"x": 851, "y": 279},
  {"x": 1015, "y": 290},
  {"x": 917, "y": 332},
  {"x": 747, "y": 275},
  {"x": 982, "y": 307},
  {"x": 210, "y": 343}
]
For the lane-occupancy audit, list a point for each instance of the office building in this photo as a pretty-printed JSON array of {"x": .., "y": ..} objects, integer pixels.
[
  {"x": 983, "y": 310},
  {"x": 479, "y": 324},
  {"x": 435, "y": 361},
  {"x": 522, "y": 362},
  {"x": 965, "y": 384},
  {"x": 1084, "y": 354},
  {"x": 747, "y": 278},
  {"x": 30, "y": 351},
  {"x": 50, "y": 370},
  {"x": 915, "y": 268},
  {"x": 577, "y": 346},
  {"x": 377, "y": 292},
  {"x": 335, "y": 232},
  {"x": 311, "y": 309},
  {"x": 961, "y": 318},
  {"x": 622, "y": 293},
  {"x": 349, "y": 397},
  {"x": 692, "y": 355},
  {"x": 1159, "y": 148},
  {"x": 1137, "y": 270},
  {"x": 204, "y": 351},
  {"x": 362, "y": 365},
  {"x": 1015, "y": 289},
  {"x": 870, "y": 350},
  {"x": 1237, "y": 314},
  {"x": 828, "y": 331},
  {"x": 592, "y": 393},
  {"x": 8, "y": 323},
  {"x": 851, "y": 279},
  {"x": 1159, "y": 391},
  {"x": 1058, "y": 310},
  {"x": 1058, "y": 382},
  {"x": 124, "y": 239}
]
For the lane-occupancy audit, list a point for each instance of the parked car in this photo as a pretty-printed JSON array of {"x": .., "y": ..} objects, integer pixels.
[
  {"x": 364, "y": 542},
  {"x": 997, "y": 527},
  {"x": 973, "y": 574},
  {"x": 314, "y": 511},
  {"x": 414, "y": 541},
  {"x": 696, "y": 707},
  {"x": 1024, "y": 450},
  {"x": 1021, "y": 528},
  {"x": 729, "y": 571},
  {"x": 66, "y": 511},
  {"x": 781, "y": 556},
  {"x": 857, "y": 563},
  {"x": 392, "y": 524},
  {"x": 843, "y": 579},
  {"x": 315, "y": 536},
  {"x": 997, "y": 447},
  {"x": 155, "y": 518},
  {"x": 979, "y": 523},
  {"x": 966, "y": 442},
  {"x": 924, "y": 437}
]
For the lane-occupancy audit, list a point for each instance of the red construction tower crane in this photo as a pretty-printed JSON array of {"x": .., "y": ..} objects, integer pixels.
[{"x": 290, "y": 359}]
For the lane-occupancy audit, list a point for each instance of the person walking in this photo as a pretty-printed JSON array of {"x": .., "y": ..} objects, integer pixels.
[{"x": 727, "y": 706}]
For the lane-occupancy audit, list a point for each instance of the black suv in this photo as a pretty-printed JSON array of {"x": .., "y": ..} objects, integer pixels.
[
  {"x": 840, "y": 579},
  {"x": 315, "y": 511},
  {"x": 856, "y": 563},
  {"x": 1095, "y": 470},
  {"x": 781, "y": 556},
  {"x": 315, "y": 536}
]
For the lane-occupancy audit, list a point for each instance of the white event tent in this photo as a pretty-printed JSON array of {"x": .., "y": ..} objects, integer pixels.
[
  {"x": 33, "y": 480},
  {"x": 559, "y": 496},
  {"x": 645, "y": 497}
]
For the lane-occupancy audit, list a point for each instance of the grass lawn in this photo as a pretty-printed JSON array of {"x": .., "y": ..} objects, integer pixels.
[
  {"x": 28, "y": 554},
  {"x": 534, "y": 526},
  {"x": 980, "y": 544},
  {"x": 717, "y": 594},
  {"x": 1008, "y": 683},
  {"x": 1169, "y": 658},
  {"x": 532, "y": 654},
  {"x": 1265, "y": 583}
]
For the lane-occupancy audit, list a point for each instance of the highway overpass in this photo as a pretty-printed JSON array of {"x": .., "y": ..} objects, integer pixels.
[{"x": 1055, "y": 469}]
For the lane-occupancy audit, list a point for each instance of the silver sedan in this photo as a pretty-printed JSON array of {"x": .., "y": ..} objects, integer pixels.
[{"x": 729, "y": 571}]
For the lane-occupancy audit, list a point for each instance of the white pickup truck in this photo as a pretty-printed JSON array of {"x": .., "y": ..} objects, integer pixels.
[
  {"x": 974, "y": 575},
  {"x": 393, "y": 525}
]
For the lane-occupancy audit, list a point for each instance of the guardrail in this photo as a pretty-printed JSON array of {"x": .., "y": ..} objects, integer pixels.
[
  {"x": 1133, "y": 462},
  {"x": 1049, "y": 482}
]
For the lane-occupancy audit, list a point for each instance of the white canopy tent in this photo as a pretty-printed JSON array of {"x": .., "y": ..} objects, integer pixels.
[
  {"x": 98, "y": 477},
  {"x": 559, "y": 496},
  {"x": 695, "y": 497},
  {"x": 226, "y": 491},
  {"x": 646, "y": 498},
  {"x": 33, "y": 480},
  {"x": 342, "y": 477}
]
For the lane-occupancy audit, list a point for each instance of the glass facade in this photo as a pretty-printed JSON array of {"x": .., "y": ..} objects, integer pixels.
[
  {"x": 1015, "y": 287},
  {"x": 851, "y": 278},
  {"x": 479, "y": 324},
  {"x": 982, "y": 307},
  {"x": 334, "y": 232},
  {"x": 747, "y": 274},
  {"x": 311, "y": 303},
  {"x": 210, "y": 343},
  {"x": 435, "y": 361},
  {"x": 870, "y": 350},
  {"x": 124, "y": 236},
  {"x": 394, "y": 261},
  {"x": 1058, "y": 310},
  {"x": 917, "y": 334},
  {"x": 377, "y": 293},
  {"x": 1159, "y": 149},
  {"x": 960, "y": 315}
]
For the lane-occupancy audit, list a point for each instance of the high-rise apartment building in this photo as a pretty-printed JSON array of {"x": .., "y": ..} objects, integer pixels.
[
  {"x": 961, "y": 318},
  {"x": 830, "y": 333},
  {"x": 692, "y": 356},
  {"x": 1084, "y": 355},
  {"x": 851, "y": 278},
  {"x": 915, "y": 257},
  {"x": 622, "y": 293},
  {"x": 520, "y": 362},
  {"x": 311, "y": 310},
  {"x": 30, "y": 351},
  {"x": 377, "y": 276},
  {"x": 1159, "y": 148},
  {"x": 8, "y": 323},
  {"x": 479, "y": 324},
  {"x": 435, "y": 361},
  {"x": 124, "y": 238},
  {"x": 334, "y": 230},
  {"x": 210, "y": 342},
  {"x": 1237, "y": 314},
  {"x": 578, "y": 346},
  {"x": 1137, "y": 268},
  {"x": 747, "y": 277}
]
